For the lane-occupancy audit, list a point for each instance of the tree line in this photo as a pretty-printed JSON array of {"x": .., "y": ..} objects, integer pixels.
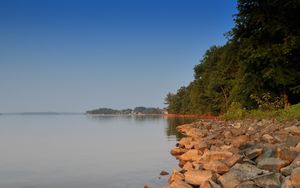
[
  {"x": 258, "y": 67},
  {"x": 136, "y": 110}
]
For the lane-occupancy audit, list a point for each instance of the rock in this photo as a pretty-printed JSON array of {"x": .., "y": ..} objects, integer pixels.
[
  {"x": 216, "y": 166},
  {"x": 251, "y": 130},
  {"x": 232, "y": 160},
  {"x": 227, "y": 134},
  {"x": 267, "y": 138},
  {"x": 175, "y": 176},
  {"x": 247, "y": 184},
  {"x": 190, "y": 155},
  {"x": 209, "y": 184},
  {"x": 205, "y": 184},
  {"x": 239, "y": 173},
  {"x": 268, "y": 180},
  {"x": 185, "y": 141},
  {"x": 181, "y": 163},
  {"x": 286, "y": 171},
  {"x": 229, "y": 180},
  {"x": 177, "y": 151},
  {"x": 180, "y": 184},
  {"x": 239, "y": 140},
  {"x": 236, "y": 132},
  {"x": 197, "y": 177},
  {"x": 295, "y": 177},
  {"x": 146, "y": 186},
  {"x": 201, "y": 146},
  {"x": 216, "y": 155},
  {"x": 197, "y": 166},
  {"x": 213, "y": 184},
  {"x": 286, "y": 154},
  {"x": 188, "y": 166},
  {"x": 292, "y": 140},
  {"x": 293, "y": 129},
  {"x": 272, "y": 164},
  {"x": 297, "y": 148},
  {"x": 252, "y": 153},
  {"x": 164, "y": 173},
  {"x": 237, "y": 125},
  {"x": 287, "y": 183},
  {"x": 267, "y": 153}
]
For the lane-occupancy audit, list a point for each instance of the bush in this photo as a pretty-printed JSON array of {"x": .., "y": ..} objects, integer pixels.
[
  {"x": 266, "y": 102},
  {"x": 235, "y": 111}
]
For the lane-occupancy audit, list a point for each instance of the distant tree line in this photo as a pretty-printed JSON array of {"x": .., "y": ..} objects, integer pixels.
[
  {"x": 259, "y": 64},
  {"x": 136, "y": 110}
]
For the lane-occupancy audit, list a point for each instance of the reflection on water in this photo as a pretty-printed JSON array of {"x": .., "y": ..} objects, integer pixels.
[
  {"x": 127, "y": 117},
  {"x": 76, "y": 151},
  {"x": 172, "y": 123}
]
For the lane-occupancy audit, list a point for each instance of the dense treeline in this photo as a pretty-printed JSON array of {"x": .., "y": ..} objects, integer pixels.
[
  {"x": 259, "y": 64},
  {"x": 136, "y": 110}
]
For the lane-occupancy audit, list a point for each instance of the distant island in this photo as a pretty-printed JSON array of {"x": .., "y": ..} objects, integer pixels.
[{"x": 136, "y": 111}]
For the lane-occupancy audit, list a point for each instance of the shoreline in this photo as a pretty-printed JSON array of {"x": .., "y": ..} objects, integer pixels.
[
  {"x": 241, "y": 153},
  {"x": 199, "y": 116}
]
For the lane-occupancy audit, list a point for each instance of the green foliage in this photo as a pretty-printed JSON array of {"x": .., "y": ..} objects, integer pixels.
[
  {"x": 235, "y": 111},
  {"x": 258, "y": 67},
  {"x": 268, "y": 103},
  {"x": 293, "y": 112}
]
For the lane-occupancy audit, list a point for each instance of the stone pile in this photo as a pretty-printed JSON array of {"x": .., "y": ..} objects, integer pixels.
[{"x": 238, "y": 154}]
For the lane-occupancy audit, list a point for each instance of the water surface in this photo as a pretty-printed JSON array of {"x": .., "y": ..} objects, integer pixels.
[{"x": 75, "y": 151}]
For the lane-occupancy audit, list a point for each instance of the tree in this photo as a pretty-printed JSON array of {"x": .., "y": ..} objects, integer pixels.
[{"x": 268, "y": 33}]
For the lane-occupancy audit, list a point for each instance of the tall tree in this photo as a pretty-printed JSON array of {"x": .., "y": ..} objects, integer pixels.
[{"x": 268, "y": 32}]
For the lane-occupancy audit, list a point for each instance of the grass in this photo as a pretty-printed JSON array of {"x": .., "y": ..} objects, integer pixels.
[{"x": 235, "y": 112}]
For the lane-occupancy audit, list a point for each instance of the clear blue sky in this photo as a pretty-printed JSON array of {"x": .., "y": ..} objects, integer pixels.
[{"x": 75, "y": 55}]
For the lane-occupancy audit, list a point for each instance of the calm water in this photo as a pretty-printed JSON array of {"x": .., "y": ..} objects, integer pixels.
[{"x": 76, "y": 151}]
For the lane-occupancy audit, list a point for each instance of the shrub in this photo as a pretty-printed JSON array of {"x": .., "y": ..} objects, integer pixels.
[{"x": 235, "y": 111}]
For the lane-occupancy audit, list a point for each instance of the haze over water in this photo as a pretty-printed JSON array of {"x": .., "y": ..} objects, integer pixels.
[{"x": 75, "y": 151}]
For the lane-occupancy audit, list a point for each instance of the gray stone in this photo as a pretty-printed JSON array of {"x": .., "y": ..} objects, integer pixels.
[
  {"x": 239, "y": 173},
  {"x": 292, "y": 140},
  {"x": 272, "y": 164},
  {"x": 247, "y": 184},
  {"x": 271, "y": 180}
]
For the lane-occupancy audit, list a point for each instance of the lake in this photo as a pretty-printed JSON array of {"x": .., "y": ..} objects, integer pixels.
[{"x": 76, "y": 151}]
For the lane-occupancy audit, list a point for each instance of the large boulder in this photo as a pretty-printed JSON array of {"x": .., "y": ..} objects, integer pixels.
[
  {"x": 191, "y": 155},
  {"x": 239, "y": 173},
  {"x": 197, "y": 177},
  {"x": 272, "y": 164},
  {"x": 216, "y": 166},
  {"x": 271, "y": 180}
]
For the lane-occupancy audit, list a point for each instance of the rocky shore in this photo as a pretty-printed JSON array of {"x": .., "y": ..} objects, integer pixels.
[{"x": 238, "y": 154}]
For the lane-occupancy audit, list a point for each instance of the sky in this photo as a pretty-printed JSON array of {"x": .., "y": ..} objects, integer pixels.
[{"x": 77, "y": 55}]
